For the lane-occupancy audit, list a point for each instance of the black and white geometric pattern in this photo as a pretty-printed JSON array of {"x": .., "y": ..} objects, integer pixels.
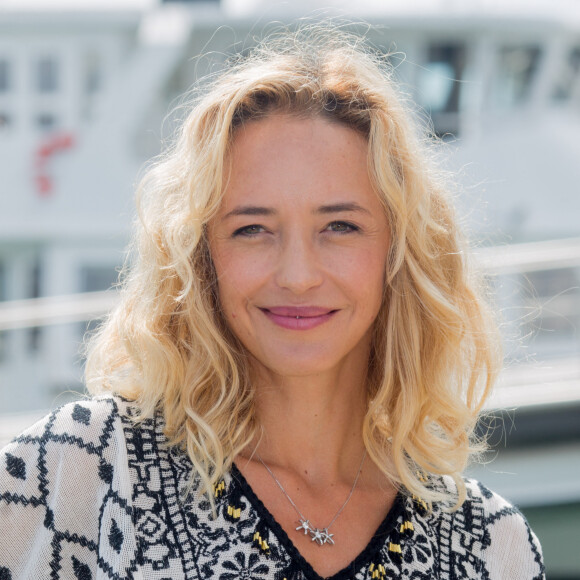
[{"x": 84, "y": 494}]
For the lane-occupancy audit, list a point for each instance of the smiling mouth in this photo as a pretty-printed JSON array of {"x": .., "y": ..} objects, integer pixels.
[
  {"x": 298, "y": 317},
  {"x": 298, "y": 311}
]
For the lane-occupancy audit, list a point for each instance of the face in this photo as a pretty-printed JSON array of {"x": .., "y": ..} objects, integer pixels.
[{"x": 300, "y": 246}]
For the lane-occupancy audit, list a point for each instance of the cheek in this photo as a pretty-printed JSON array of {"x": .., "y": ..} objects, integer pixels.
[
  {"x": 372, "y": 270},
  {"x": 231, "y": 304},
  {"x": 235, "y": 290},
  {"x": 368, "y": 267},
  {"x": 241, "y": 273},
  {"x": 229, "y": 295}
]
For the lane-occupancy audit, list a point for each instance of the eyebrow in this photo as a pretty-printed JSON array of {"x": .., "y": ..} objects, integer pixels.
[
  {"x": 340, "y": 207},
  {"x": 323, "y": 209},
  {"x": 250, "y": 210}
]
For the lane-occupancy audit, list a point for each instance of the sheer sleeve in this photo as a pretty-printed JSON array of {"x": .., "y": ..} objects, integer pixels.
[
  {"x": 65, "y": 509},
  {"x": 511, "y": 549}
]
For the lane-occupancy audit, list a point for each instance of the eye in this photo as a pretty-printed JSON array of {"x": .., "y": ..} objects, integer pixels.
[
  {"x": 249, "y": 231},
  {"x": 342, "y": 227}
]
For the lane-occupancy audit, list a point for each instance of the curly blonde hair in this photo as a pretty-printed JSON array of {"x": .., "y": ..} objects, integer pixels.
[{"x": 434, "y": 353}]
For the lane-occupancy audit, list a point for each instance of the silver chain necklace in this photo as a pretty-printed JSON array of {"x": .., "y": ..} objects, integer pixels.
[{"x": 319, "y": 535}]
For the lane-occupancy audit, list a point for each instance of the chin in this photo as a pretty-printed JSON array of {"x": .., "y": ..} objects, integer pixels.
[{"x": 303, "y": 362}]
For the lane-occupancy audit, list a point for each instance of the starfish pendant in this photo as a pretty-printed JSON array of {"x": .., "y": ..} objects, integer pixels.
[
  {"x": 318, "y": 536},
  {"x": 327, "y": 536},
  {"x": 321, "y": 536},
  {"x": 304, "y": 525}
]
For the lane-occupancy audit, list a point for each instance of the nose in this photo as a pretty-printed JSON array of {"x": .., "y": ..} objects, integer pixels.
[{"x": 298, "y": 268}]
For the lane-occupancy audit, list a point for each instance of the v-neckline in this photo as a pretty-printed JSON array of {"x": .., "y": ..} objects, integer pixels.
[{"x": 362, "y": 560}]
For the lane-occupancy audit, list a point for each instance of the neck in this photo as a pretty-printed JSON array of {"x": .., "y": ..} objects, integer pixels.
[{"x": 312, "y": 425}]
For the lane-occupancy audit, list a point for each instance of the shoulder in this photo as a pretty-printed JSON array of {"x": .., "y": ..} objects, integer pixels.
[
  {"x": 88, "y": 426},
  {"x": 63, "y": 482},
  {"x": 84, "y": 423},
  {"x": 488, "y": 535},
  {"x": 84, "y": 438}
]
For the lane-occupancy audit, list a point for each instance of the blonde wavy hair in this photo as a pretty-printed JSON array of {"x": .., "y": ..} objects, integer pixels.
[{"x": 434, "y": 354}]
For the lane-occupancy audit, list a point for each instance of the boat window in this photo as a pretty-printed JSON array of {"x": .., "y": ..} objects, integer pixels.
[
  {"x": 46, "y": 121},
  {"x": 92, "y": 73},
  {"x": 3, "y": 333},
  {"x": 35, "y": 283},
  {"x": 436, "y": 86},
  {"x": 551, "y": 307},
  {"x": 96, "y": 278},
  {"x": 92, "y": 81},
  {"x": 515, "y": 71},
  {"x": 46, "y": 75},
  {"x": 569, "y": 76},
  {"x": 5, "y": 121},
  {"x": 4, "y": 75},
  {"x": 439, "y": 85}
]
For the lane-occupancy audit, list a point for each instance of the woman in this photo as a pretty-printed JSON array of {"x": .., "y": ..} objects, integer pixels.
[{"x": 290, "y": 384}]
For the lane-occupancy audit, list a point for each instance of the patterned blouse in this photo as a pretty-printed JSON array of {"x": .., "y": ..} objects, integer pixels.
[{"x": 84, "y": 494}]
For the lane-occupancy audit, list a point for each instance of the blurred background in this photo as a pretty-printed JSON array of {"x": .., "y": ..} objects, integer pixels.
[{"x": 85, "y": 91}]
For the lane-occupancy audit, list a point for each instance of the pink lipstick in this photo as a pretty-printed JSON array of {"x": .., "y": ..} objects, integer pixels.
[{"x": 298, "y": 317}]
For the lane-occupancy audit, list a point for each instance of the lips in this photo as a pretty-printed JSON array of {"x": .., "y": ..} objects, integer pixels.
[
  {"x": 298, "y": 317},
  {"x": 298, "y": 311}
]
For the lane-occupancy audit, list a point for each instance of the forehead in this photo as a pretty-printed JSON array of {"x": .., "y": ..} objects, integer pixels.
[
  {"x": 285, "y": 130},
  {"x": 283, "y": 156}
]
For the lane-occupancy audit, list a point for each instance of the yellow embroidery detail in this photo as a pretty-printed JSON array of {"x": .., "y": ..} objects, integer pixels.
[
  {"x": 377, "y": 571},
  {"x": 395, "y": 548},
  {"x": 234, "y": 512},
  {"x": 407, "y": 525},
  {"x": 262, "y": 543},
  {"x": 422, "y": 476},
  {"x": 421, "y": 502},
  {"x": 219, "y": 489}
]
